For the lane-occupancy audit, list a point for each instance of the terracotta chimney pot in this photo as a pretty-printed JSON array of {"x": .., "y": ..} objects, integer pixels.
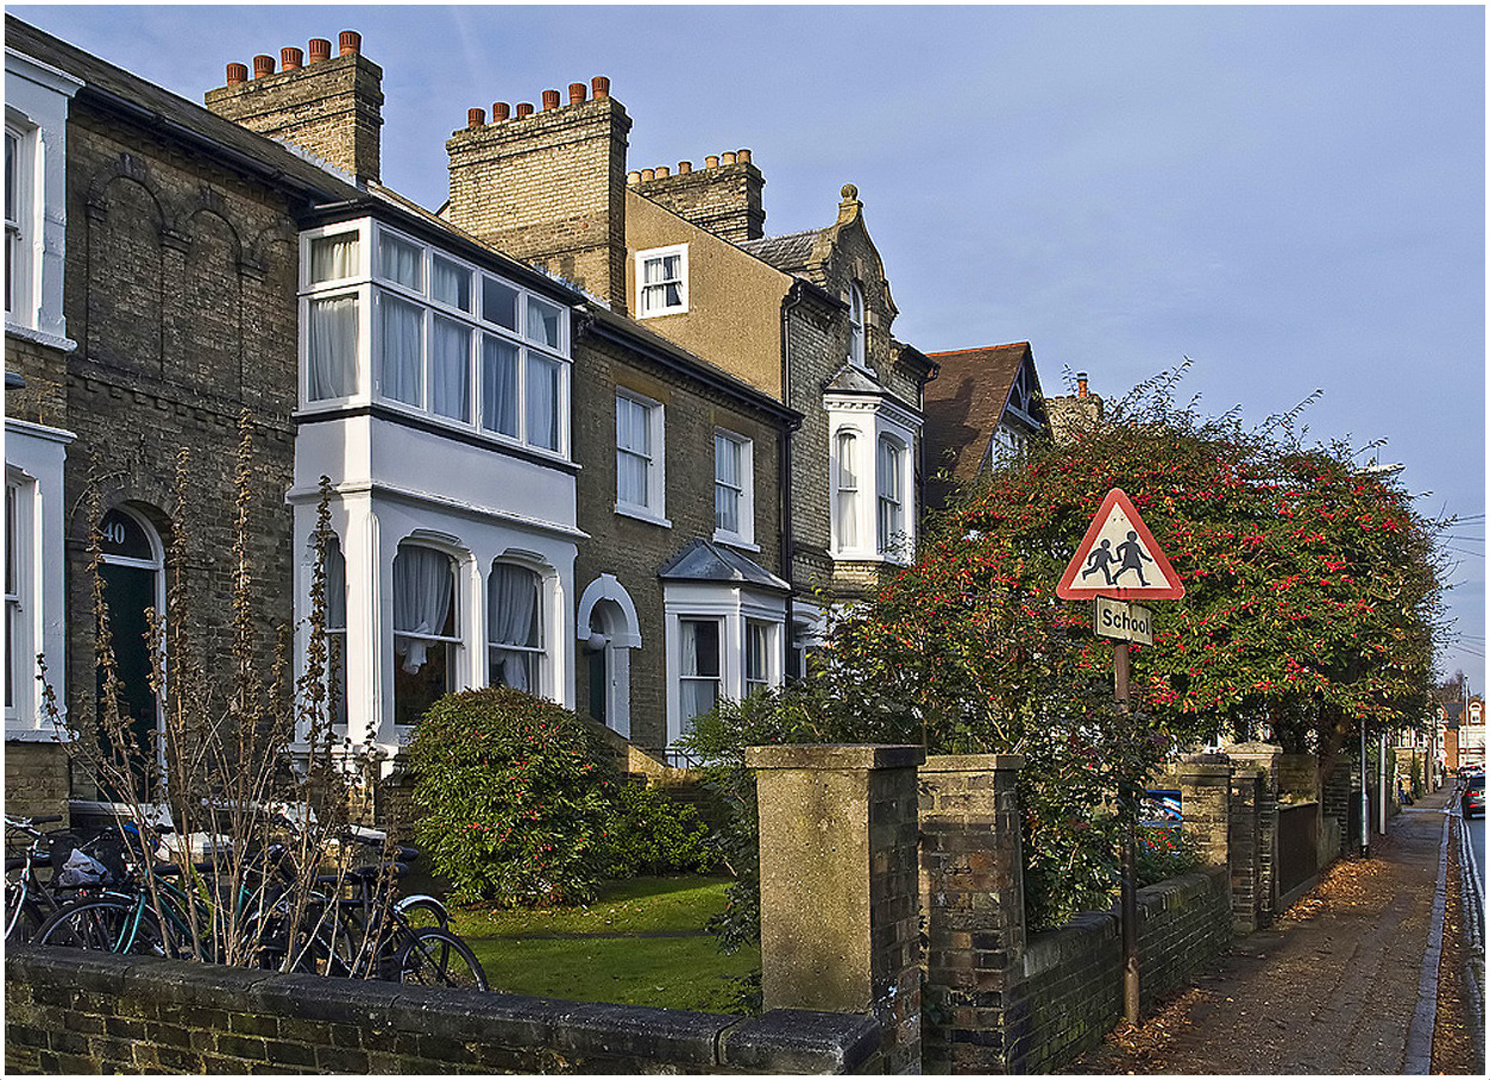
[
  {"x": 728, "y": 158},
  {"x": 743, "y": 157},
  {"x": 648, "y": 174},
  {"x": 661, "y": 171},
  {"x": 577, "y": 92},
  {"x": 320, "y": 49},
  {"x": 350, "y": 41},
  {"x": 500, "y": 110},
  {"x": 711, "y": 161},
  {"x": 1081, "y": 384},
  {"x": 524, "y": 108},
  {"x": 263, "y": 65},
  {"x": 550, "y": 100},
  {"x": 237, "y": 73},
  {"x": 475, "y": 117},
  {"x": 600, "y": 87},
  {"x": 633, "y": 177},
  {"x": 684, "y": 168},
  {"x": 291, "y": 58}
]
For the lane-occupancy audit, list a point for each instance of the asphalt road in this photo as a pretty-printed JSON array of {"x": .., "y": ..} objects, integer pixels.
[{"x": 1477, "y": 836}]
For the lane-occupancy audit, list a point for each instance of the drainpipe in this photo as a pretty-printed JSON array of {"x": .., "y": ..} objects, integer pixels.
[{"x": 1365, "y": 798}]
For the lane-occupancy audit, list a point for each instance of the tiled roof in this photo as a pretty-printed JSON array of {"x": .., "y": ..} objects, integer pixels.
[
  {"x": 964, "y": 404},
  {"x": 168, "y": 111},
  {"x": 788, "y": 252},
  {"x": 701, "y": 560}
]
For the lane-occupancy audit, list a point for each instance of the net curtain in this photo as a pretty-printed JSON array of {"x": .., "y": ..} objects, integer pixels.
[{"x": 422, "y": 588}]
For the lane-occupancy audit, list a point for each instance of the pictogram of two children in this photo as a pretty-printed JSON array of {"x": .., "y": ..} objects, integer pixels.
[{"x": 1129, "y": 556}]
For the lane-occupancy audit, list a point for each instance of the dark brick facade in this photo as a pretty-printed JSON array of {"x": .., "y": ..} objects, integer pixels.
[{"x": 724, "y": 197}]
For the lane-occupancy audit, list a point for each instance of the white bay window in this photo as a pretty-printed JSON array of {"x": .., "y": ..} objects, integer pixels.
[{"x": 515, "y": 628}]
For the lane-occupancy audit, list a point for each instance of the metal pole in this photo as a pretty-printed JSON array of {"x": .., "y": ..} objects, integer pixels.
[
  {"x": 1365, "y": 799},
  {"x": 1381, "y": 793},
  {"x": 1129, "y": 898}
]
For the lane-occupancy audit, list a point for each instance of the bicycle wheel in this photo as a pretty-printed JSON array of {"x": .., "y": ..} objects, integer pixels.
[
  {"x": 420, "y": 910},
  {"x": 105, "y": 925},
  {"x": 435, "y": 957}
]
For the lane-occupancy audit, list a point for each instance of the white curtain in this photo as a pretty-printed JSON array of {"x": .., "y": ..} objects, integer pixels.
[
  {"x": 543, "y": 402},
  {"x": 726, "y": 484},
  {"x": 848, "y": 493},
  {"x": 499, "y": 385},
  {"x": 513, "y": 619},
  {"x": 699, "y": 687},
  {"x": 401, "y": 360},
  {"x": 336, "y": 587},
  {"x": 422, "y": 587},
  {"x": 400, "y": 262},
  {"x": 450, "y": 369},
  {"x": 543, "y": 322},
  {"x": 633, "y": 451},
  {"x": 450, "y": 283},
  {"x": 332, "y": 348},
  {"x": 333, "y": 257}
]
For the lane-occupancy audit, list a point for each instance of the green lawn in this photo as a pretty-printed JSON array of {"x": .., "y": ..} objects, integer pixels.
[{"x": 641, "y": 942}]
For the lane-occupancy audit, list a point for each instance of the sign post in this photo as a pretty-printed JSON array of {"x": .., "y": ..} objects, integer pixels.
[{"x": 1113, "y": 564}]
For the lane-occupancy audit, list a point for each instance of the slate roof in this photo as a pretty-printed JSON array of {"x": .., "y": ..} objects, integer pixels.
[
  {"x": 853, "y": 380},
  {"x": 788, "y": 252},
  {"x": 701, "y": 560},
  {"x": 965, "y": 402},
  {"x": 113, "y": 87}
]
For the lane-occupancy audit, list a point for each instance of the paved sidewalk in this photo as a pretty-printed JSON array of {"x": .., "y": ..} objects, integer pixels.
[{"x": 1332, "y": 987}]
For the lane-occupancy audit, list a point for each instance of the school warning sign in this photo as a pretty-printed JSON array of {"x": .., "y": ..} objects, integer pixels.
[{"x": 1119, "y": 558}]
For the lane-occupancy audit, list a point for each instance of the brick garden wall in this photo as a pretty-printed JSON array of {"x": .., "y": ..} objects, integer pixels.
[
  {"x": 1072, "y": 993},
  {"x": 69, "y": 1012},
  {"x": 35, "y": 779}
]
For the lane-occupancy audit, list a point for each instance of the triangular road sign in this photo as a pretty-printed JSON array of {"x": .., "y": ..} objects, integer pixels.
[{"x": 1119, "y": 558}]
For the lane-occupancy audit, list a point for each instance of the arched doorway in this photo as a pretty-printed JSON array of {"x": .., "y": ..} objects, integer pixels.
[
  {"x": 131, "y": 563},
  {"x": 608, "y": 632}
]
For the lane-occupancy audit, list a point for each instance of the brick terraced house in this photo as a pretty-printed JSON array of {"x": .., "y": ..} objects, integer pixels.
[{"x": 527, "y": 486}]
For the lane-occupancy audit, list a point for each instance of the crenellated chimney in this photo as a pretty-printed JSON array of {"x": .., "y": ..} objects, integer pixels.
[
  {"x": 330, "y": 107},
  {"x": 724, "y": 197},
  {"x": 549, "y": 186}
]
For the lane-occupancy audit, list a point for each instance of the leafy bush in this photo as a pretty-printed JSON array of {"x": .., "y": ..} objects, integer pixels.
[
  {"x": 512, "y": 798},
  {"x": 653, "y": 834},
  {"x": 1164, "y": 852}
]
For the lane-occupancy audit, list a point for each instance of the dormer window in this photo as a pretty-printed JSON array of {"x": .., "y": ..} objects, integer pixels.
[
  {"x": 856, "y": 325},
  {"x": 662, "y": 281}
]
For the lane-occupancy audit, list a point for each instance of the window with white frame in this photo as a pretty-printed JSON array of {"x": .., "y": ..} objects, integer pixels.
[
  {"x": 335, "y": 571},
  {"x": 856, "y": 325},
  {"x": 891, "y": 496},
  {"x": 17, "y": 647},
  {"x": 734, "y": 481},
  {"x": 437, "y": 334},
  {"x": 662, "y": 281},
  {"x": 15, "y": 196},
  {"x": 515, "y": 627},
  {"x": 700, "y": 674},
  {"x": 639, "y": 456},
  {"x": 425, "y": 640},
  {"x": 846, "y": 489},
  {"x": 758, "y": 654}
]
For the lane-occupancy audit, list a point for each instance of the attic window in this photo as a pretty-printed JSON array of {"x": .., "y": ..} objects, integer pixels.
[
  {"x": 662, "y": 281},
  {"x": 855, "y": 325}
]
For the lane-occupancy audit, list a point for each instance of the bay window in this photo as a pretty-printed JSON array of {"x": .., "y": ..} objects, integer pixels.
[
  {"x": 409, "y": 316},
  {"x": 846, "y": 496},
  {"x": 424, "y": 630},
  {"x": 758, "y": 655},
  {"x": 515, "y": 627},
  {"x": 335, "y": 569},
  {"x": 17, "y": 648},
  {"x": 699, "y": 675}
]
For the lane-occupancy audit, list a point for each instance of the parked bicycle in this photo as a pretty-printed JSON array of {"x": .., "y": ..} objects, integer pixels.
[{"x": 51, "y": 869}]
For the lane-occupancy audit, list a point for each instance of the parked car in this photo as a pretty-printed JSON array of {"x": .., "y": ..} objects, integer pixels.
[{"x": 1472, "y": 802}]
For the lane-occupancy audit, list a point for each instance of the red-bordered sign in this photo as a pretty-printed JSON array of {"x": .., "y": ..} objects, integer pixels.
[{"x": 1119, "y": 557}]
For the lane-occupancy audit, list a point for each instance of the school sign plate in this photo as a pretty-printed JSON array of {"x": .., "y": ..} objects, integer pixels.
[
  {"x": 1124, "y": 621},
  {"x": 1119, "y": 558}
]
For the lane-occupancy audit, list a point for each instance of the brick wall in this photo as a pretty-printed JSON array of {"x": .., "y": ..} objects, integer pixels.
[
  {"x": 180, "y": 293},
  {"x": 35, "y": 779},
  {"x": 632, "y": 549},
  {"x": 724, "y": 198},
  {"x": 1073, "y": 976},
  {"x": 43, "y": 400},
  {"x": 71, "y": 1012}
]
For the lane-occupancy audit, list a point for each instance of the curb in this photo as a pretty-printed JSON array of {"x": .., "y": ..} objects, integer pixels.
[{"x": 1418, "y": 1056}]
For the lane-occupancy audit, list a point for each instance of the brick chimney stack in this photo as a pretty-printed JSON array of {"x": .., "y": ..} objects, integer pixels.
[
  {"x": 329, "y": 106},
  {"x": 550, "y": 186},
  {"x": 724, "y": 197}
]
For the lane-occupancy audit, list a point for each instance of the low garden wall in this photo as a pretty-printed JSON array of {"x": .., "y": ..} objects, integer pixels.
[
  {"x": 1072, "y": 991},
  {"x": 77, "y": 1012}
]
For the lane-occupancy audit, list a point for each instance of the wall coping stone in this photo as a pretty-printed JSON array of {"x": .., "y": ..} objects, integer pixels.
[
  {"x": 1197, "y": 768},
  {"x": 800, "y": 1040},
  {"x": 972, "y": 762},
  {"x": 834, "y": 756}
]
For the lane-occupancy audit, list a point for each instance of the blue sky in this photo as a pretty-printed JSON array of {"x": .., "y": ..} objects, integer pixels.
[{"x": 1292, "y": 196}]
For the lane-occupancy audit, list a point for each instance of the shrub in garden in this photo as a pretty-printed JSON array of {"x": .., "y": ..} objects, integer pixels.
[
  {"x": 653, "y": 834},
  {"x": 1164, "y": 852},
  {"x": 512, "y": 798}
]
